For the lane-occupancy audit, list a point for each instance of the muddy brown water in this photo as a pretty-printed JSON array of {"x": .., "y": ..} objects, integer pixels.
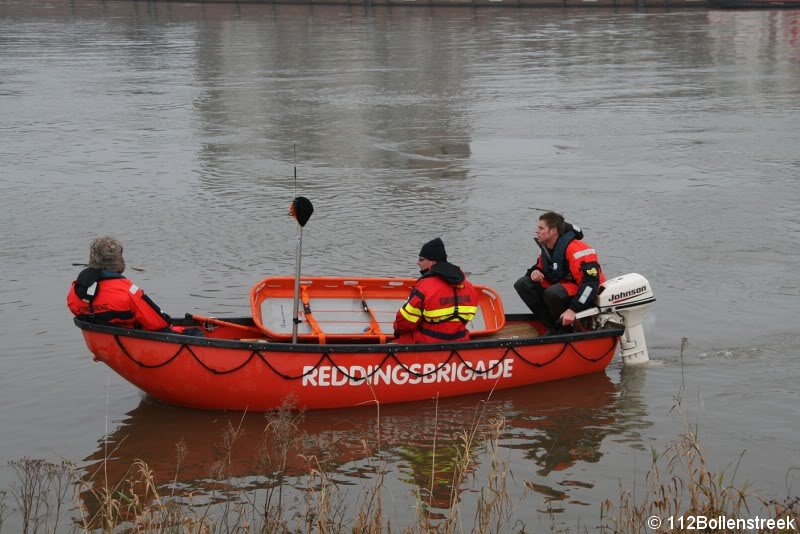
[{"x": 671, "y": 137}]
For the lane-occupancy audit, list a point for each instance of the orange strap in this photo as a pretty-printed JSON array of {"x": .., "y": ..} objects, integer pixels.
[
  {"x": 374, "y": 327},
  {"x": 312, "y": 322}
]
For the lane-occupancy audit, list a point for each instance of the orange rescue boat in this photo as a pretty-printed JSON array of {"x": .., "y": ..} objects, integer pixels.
[{"x": 344, "y": 355}]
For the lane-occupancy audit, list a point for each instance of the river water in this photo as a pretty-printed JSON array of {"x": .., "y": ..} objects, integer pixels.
[{"x": 671, "y": 137}]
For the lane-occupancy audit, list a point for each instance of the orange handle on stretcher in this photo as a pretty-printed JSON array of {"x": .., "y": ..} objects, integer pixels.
[
  {"x": 312, "y": 321},
  {"x": 374, "y": 327}
]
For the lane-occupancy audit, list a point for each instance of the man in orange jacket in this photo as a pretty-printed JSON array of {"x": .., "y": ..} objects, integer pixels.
[
  {"x": 441, "y": 303},
  {"x": 101, "y": 295},
  {"x": 566, "y": 277}
]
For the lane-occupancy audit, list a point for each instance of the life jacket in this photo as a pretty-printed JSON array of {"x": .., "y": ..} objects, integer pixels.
[
  {"x": 574, "y": 265},
  {"x": 554, "y": 265},
  {"x": 440, "y": 305},
  {"x": 106, "y": 297}
]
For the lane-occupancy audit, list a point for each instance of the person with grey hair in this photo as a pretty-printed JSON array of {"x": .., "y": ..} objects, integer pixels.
[{"x": 101, "y": 295}]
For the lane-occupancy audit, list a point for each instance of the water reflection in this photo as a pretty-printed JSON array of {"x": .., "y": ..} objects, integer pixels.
[
  {"x": 556, "y": 425},
  {"x": 380, "y": 131},
  {"x": 359, "y": 108},
  {"x": 561, "y": 429}
]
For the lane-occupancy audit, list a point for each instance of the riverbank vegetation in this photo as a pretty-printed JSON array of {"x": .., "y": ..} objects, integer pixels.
[{"x": 298, "y": 486}]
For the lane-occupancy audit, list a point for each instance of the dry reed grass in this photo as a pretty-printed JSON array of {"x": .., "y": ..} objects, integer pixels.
[
  {"x": 679, "y": 483},
  {"x": 682, "y": 485}
]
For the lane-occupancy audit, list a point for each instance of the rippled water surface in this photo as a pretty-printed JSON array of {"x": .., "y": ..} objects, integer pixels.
[{"x": 671, "y": 137}]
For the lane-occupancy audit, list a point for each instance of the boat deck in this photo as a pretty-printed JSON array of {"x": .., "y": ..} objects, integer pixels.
[{"x": 514, "y": 329}]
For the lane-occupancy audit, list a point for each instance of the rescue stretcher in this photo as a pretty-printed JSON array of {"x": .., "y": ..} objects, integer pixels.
[{"x": 350, "y": 309}]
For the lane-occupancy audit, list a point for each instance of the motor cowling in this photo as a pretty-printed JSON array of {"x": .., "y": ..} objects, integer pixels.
[{"x": 629, "y": 298}]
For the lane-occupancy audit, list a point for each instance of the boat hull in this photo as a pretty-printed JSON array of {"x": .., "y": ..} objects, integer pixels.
[{"x": 213, "y": 373}]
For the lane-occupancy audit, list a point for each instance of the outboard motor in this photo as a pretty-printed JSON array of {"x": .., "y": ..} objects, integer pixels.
[
  {"x": 625, "y": 300},
  {"x": 630, "y": 297}
]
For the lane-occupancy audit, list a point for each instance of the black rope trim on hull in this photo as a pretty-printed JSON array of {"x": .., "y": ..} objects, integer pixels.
[{"x": 326, "y": 356}]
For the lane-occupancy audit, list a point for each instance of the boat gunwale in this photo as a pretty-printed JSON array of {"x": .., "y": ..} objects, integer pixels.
[{"x": 275, "y": 346}]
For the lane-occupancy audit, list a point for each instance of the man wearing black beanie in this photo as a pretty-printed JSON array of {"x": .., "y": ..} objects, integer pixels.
[
  {"x": 441, "y": 303},
  {"x": 433, "y": 250}
]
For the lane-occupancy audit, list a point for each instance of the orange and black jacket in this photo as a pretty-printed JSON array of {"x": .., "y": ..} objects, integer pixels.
[
  {"x": 573, "y": 264},
  {"x": 439, "y": 307},
  {"x": 106, "y": 297}
]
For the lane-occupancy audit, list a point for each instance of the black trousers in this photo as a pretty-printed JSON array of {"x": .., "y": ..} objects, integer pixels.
[{"x": 547, "y": 305}]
